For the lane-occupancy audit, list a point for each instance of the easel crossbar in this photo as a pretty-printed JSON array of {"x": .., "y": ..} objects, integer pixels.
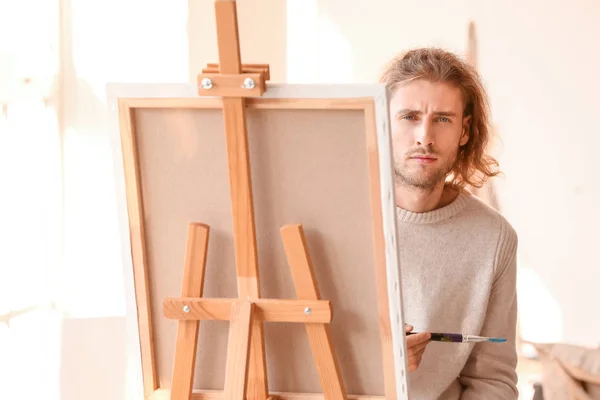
[{"x": 266, "y": 310}]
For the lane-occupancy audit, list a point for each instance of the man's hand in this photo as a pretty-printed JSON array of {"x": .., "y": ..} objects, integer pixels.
[{"x": 415, "y": 347}]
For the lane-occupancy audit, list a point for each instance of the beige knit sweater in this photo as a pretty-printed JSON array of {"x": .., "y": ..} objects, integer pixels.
[{"x": 459, "y": 275}]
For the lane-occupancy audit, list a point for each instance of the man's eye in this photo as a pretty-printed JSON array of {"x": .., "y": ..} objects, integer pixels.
[
  {"x": 409, "y": 117},
  {"x": 444, "y": 119}
]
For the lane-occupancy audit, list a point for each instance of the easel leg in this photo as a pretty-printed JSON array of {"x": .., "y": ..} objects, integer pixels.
[
  {"x": 257, "y": 373},
  {"x": 245, "y": 239},
  {"x": 238, "y": 350},
  {"x": 187, "y": 331},
  {"x": 318, "y": 334}
]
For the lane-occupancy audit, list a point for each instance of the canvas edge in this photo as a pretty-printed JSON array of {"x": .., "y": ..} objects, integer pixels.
[
  {"x": 135, "y": 381},
  {"x": 390, "y": 226},
  {"x": 376, "y": 91}
]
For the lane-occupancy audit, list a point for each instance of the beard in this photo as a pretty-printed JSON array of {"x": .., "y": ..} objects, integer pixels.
[{"x": 422, "y": 176}]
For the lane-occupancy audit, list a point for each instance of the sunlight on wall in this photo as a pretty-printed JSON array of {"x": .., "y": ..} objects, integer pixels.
[
  {"x": 26, "y": 45},
  {"x": 335, "y": 54},
  {"x": 106, "y": 42},
  {"x": 92, "y": 279},
  {"x": 302, "y": 39},
  {"x": 30, "y": 232},
  {"x": 30, "y": 361},
  {"x": 540, "y": 316},
  {"x": 30, "y": 202},
  {"x": 30, "y": 244},
  {"x": 129, "y": 41},
  {"x": 317, "y": 51}
]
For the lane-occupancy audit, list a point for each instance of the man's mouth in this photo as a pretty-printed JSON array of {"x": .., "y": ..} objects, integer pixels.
[{"x": 424, "y": 159}]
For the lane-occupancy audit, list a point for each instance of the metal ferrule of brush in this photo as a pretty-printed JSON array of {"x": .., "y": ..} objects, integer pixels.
[{"x": 473, "y": 339}]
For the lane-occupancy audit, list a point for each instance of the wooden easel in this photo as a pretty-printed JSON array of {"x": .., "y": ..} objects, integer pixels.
[{"x": 245, "y": 371}]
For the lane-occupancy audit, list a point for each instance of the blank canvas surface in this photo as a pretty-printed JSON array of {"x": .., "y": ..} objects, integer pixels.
[{"x": 309, "y": 167}]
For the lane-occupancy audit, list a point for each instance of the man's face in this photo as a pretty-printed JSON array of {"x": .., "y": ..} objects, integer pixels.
[{"x": 427, "y": 129}]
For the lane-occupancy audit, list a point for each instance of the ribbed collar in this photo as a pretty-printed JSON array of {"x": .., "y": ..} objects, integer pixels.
[{"x": 437, "y": 215}]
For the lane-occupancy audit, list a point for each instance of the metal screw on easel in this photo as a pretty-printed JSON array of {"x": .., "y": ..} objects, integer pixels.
[
  {"x": 307, "y": 311},
  {"x": 206, "y": 83},
  {"x": 186, "y": 309},
  {"x": 248, "y": 83}
]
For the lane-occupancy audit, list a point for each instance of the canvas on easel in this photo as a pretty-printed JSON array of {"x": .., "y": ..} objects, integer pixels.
[{"x": 321, "y": 202}]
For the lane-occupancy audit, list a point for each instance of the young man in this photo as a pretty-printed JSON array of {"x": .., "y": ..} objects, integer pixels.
[{"x": 458, "y": 256}]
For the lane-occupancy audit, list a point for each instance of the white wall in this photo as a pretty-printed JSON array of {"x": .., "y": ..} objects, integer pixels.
[
  {"x": 544, "y": 86},
  {"x": 539, "y": 62}
]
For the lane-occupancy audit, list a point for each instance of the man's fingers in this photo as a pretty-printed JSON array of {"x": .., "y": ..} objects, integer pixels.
[
  {"x": 419, "y": 347},
  {"x": 413, "y": 361},
  {"x": 413, "y": 340},
  {"x": 412, "y": 367},
  {"x": 415, "y": 346},
  {"x": 408, "y": 328}
]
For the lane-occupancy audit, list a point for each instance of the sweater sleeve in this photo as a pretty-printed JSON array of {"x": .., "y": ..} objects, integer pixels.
[{"x": 490, "y": 371}]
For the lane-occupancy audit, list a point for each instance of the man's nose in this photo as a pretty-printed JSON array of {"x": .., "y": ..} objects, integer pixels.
[{"x": 424, "y": 136}]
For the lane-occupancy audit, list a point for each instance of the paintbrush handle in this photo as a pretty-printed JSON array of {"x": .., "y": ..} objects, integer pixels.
[
  {"x": 448, "y": 337},
  {"x": 444, "y": 337}
]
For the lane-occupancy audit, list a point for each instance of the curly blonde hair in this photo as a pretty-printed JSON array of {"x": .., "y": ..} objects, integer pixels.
[{"x": 473, "y": 164}]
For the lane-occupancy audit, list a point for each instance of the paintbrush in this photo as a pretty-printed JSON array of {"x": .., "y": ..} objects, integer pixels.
[{"x": 461, "y": 338}]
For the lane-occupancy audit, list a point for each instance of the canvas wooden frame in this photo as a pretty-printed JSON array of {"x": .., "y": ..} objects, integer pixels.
[{"x": 371, "y": 99}]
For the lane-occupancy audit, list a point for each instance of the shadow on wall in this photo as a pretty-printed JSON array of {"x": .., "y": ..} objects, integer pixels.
[{"x": 93, "y": 359}]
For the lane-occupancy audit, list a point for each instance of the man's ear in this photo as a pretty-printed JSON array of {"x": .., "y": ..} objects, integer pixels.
[{"x": 466, "y": 128}]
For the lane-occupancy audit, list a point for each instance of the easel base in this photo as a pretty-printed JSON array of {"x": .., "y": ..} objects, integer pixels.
[{"x": 164, "y": 394}]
